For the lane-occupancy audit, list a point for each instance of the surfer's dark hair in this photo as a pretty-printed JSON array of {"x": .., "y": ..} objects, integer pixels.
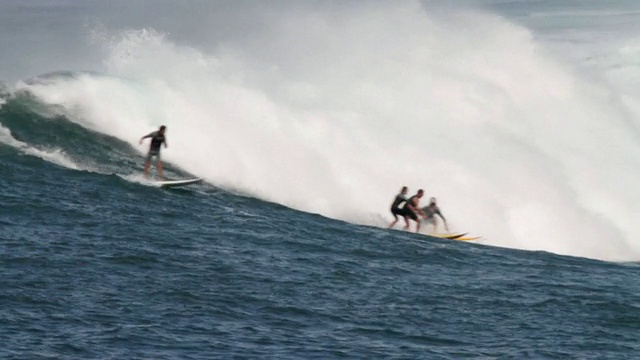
[{"x": 162, "y": 127}]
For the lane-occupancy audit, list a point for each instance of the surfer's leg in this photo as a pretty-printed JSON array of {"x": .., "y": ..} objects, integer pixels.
[
  {"x": 147, "y": 163},
  {"x": 146, "y": 168},
  {"x": 159, "y": 166},
  {"x": 410, "y": 215},
  {"x": 395, "y": 216}
]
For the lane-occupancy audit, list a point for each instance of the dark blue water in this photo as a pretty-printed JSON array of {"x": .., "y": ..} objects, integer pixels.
[{"x": 96, "y": 266}]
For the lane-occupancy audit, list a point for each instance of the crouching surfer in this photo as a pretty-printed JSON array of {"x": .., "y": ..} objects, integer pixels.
[{"x": 430, "y": 211}]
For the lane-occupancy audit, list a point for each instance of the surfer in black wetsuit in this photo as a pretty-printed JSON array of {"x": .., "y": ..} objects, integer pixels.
[
  {"x": 412, "y": 209},
  {"x": 430, "y": 211},
  {"x": 395, "y": 206},
  {"x": 157, "y": 139}
]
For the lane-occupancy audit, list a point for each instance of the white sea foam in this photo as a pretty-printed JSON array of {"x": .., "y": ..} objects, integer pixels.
[
  {"x": 139, "y": 179},
  {"x": 332, "y": 112},
  {"x": 55, "y": 156}
]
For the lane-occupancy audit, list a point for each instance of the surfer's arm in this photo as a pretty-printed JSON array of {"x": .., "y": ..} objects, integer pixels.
[
  {"x": 443, "y": 219},
  {"x": 416, "y": 209},
  {"x": 146, "y": 136}
]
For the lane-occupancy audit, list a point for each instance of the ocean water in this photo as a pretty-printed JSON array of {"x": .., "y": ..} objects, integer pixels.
[{"x": 304, "y": 119}]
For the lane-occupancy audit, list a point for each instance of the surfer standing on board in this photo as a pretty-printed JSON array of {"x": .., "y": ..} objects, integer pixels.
[
  {"x": 411, "y": 210},
  {"x": 157, "y": 139},
  {"x": 395, "y": 206},
  {"x": 430, "y": 211}
]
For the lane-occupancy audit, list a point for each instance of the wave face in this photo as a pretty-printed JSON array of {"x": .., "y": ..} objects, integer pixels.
[{"x": 331, "y": 109}]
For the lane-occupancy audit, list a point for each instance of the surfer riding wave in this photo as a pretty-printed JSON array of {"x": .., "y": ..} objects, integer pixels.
[{"x": 157, "y": 139}]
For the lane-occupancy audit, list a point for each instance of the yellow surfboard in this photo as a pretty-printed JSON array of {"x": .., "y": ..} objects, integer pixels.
[
  {"x": 456, "y": 236},
  {"x": 448, "y": 236},
  {"x": 468, "y": 238}
]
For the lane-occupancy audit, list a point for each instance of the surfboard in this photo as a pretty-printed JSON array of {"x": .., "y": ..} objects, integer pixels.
[
  {"x": 175, "y": 183},
  {"x": 456, "y": 236},
  {"x": 467, "y": 238},
  {"x": 449, "y": 236}
]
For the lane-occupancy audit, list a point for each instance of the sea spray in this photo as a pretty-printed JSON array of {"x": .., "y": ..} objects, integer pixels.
[{"x": 333, "y": 112}]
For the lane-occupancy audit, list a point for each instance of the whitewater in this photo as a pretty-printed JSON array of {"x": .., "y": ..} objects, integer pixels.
[{"x": 331, "y": 109}]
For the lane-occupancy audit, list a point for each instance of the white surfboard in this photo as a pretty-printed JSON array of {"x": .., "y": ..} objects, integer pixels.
[{"x": 174, "y": 183}]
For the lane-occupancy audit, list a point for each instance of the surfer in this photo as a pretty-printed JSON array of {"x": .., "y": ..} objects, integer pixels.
[
  {"x": 157, "y": 139},
  {"x": 430, "y": 211},
  {"x": 395, "y": 206},
  {"x": 411, "y": 210}
]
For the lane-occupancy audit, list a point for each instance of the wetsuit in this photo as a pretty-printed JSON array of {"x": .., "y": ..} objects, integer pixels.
[
  {"x": 156, "y": 141},
  {"x": 395, "y": 207},
  {"x": 407, "y": 211}
]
